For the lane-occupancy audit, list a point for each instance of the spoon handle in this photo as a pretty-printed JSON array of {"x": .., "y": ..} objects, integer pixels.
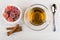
[{"x": 54, "y": 29}]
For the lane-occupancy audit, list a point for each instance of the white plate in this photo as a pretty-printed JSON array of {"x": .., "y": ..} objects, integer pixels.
[{"x": 40, "y": 27}]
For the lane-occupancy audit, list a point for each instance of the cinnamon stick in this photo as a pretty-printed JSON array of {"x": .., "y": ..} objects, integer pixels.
[{"x": 17, "y": 28}]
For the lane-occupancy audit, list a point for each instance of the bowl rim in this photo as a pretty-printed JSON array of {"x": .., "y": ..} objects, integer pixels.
[
  {"x": 19, "y": 8},
  {"x": 29, "y": 8}
]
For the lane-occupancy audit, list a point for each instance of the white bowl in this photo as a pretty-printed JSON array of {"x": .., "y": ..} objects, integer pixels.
[
  {"x": 17, "y": 19},
  {"x": 40, "y": 27}
]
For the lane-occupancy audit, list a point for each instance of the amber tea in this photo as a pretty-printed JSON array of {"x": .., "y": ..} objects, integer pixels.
[{"x": 37, "y": 16}]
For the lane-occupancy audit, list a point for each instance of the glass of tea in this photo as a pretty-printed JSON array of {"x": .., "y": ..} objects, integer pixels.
[{"x": 37, "y": 17}]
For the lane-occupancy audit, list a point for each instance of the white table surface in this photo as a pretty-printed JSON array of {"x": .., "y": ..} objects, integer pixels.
[{"x": 28, "y": 34}]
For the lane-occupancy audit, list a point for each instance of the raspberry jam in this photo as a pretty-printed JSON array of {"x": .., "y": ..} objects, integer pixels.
[{"x": 11, "y": 13}]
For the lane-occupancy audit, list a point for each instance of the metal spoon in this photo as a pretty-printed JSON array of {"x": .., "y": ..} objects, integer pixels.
[{"x": 53, "y": 8}]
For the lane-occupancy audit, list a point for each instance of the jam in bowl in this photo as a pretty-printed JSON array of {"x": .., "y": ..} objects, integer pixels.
[{"x": 12, "y": 14}]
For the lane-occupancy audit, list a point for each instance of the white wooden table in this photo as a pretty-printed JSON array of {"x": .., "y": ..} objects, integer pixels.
[{"x": 28, "y": 34}]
